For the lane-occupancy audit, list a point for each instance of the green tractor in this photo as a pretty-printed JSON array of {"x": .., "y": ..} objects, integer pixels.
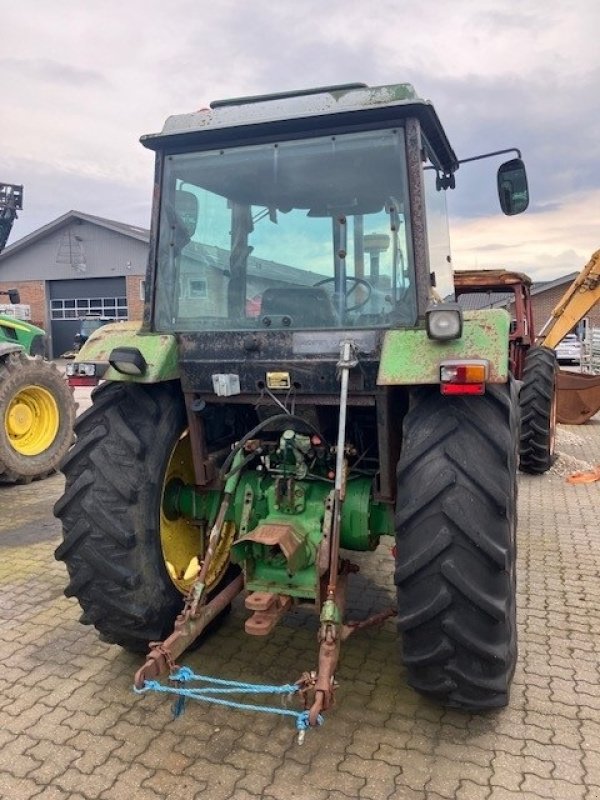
[
  {"x": 303, "y": 382},
  {"x": 37, "y": 411},
  {"x": 13, "y": 330}
]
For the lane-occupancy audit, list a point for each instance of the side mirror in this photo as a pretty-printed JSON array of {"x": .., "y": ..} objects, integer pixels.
[
  {"x": 13, "y": 296},
  {"x": 186, "y": 211},
  {"x": 513, "y": 191}
]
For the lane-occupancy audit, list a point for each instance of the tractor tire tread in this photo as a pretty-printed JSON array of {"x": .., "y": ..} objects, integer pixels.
[
  {"x": 111, "y": 547},
  {"x": 455, "y": 546},
  {"x": 536, "y": 401}
]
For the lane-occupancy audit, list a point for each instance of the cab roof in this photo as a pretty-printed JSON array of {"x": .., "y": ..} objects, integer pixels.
[
  {"x": 484, "y": 280},
  {"x": 301, "y": 113}
]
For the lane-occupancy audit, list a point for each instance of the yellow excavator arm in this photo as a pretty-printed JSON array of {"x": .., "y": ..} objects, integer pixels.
[{"x": 580, "y": 297}]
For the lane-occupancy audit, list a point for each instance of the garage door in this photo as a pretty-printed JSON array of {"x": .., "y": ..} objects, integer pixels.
[{"x": 70, "y": 301}]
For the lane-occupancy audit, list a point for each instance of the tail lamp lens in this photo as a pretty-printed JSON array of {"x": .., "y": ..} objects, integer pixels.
[
  {"x": 463, "y": 373},
  {"x": 82, "y": 373},
  {"x": 463, "y": 377},
  {"x": 80, "y": 368}
]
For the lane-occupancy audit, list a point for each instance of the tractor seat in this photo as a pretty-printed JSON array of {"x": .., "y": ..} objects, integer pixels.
[{"x": 307, "y": 306}]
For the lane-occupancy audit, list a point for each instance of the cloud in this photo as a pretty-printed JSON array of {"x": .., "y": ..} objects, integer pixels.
[
  {"x": 495, "y": 247},
  {"x": 84, "y": 81},
  {"x": 50, "y": 192},
  {"x": 545, "y": 246},
  {"x": 558, "y": 133},
  {"x": 45, "y": 70}
]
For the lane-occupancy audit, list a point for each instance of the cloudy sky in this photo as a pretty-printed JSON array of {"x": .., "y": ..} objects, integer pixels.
[{"x": 80, "y": 82}]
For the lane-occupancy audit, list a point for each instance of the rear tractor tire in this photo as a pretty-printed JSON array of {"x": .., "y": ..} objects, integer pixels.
[
  {"x": 538, "y": 411},
  {"x": 126, "y": 560},
  {"x": 37, "y": 414},
  {"x": 456, "y": 547}
]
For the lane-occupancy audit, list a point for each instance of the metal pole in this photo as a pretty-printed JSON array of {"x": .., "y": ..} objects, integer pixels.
[{"x": 345, "y": 364}]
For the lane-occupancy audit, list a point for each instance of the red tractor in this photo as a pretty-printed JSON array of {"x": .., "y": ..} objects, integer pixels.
[{"x": 536, "y": 367}]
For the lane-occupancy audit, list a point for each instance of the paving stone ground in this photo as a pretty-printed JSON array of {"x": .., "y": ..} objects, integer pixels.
[{"x": 71, "y": 728}]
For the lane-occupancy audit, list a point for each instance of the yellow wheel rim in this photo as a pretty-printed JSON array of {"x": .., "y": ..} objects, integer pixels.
[
  {"x": 183, "y": 542},
  {"x": 31, "y": 421}
]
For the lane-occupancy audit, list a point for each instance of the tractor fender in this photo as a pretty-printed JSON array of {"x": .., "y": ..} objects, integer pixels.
[
  {"x": 6, "y": 348},
  {"x": 158, "y": 349},
  {"x": 410, "y": 357}
]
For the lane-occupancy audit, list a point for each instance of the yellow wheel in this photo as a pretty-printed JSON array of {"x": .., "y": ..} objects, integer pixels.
[
  {"x": 182, "y": 541},
  {"x": 37, "y": 413},
  {"x": 31, "y": 421}
]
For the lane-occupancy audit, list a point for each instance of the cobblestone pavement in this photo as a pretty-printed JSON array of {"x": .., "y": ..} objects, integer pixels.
[{"x": 71, "y": 727}]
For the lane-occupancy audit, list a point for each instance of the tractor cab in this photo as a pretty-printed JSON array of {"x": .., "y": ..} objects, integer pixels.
[
  {"x": 319, "y": 211},
  {"x": 323, "y": 210}
]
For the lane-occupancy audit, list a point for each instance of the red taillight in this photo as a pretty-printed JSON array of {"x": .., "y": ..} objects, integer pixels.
[
  {"x": 462, "y": 388},
  {"x": 466, "y": 376},
  {"x": 82, "y": 380}
]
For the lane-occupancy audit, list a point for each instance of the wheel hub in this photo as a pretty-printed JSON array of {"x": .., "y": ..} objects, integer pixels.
[
  {"x": 31, "y": 421},
  {"x": 20, "y": 418},
  {"x": 181, "y": 539}
]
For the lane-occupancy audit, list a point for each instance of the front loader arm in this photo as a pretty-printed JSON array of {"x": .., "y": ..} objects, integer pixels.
[
  {"x": 11, "y": 200},
  {"x": 580, "y": 297}
]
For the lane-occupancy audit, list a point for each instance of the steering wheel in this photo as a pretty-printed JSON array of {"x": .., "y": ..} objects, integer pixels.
[{"x": 356, "y": 283}]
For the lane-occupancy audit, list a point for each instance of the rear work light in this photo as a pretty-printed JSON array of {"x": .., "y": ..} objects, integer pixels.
[
  {"x": 127, "y": 361},
  {"x": 463, "y": 377},
  {"x": 444, "y": 321}
]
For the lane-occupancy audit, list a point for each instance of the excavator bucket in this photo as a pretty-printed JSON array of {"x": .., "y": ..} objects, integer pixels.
[{"x": 577, "y": 397}]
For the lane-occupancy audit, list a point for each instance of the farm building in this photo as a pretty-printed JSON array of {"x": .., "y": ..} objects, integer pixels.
[{"x": 75, "y": 266}]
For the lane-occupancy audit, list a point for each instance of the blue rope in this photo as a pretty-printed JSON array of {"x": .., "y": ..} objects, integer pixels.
[{"x": 208, "y": 694}]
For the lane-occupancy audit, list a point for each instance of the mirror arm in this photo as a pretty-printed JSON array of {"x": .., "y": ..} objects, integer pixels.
[
  {"x": 489, "y": 155},
  {"x": 447, "y": 181}
]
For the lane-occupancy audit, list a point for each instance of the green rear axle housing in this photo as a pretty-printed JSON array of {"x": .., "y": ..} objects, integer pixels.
[{"x": 282, "y": 526}]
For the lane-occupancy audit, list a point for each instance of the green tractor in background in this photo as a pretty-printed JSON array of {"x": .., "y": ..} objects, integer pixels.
[
  {"x": 303, "y": 382},
  {"x": 14, "y": 330},
  {"x": 37, "y": 411}
]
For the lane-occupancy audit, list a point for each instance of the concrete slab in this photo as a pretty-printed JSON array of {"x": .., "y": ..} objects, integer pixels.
[{"x": 71, "y": 727}]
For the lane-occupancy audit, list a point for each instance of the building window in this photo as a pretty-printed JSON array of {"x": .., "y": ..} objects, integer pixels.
[
  {"x": 76, "y": 308},
  {"x": 197, "y": 288},
  {"x": 57, "y": 309},
  {"x": 142, "y": 290}
]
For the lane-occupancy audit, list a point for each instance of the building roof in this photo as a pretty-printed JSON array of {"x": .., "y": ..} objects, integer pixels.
[
  {"x": 473, "y": 301},
  {"x": 134, "y": 231},
  {"x": 219, "y": 259},
  {"x": 544, "y": 286}
]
